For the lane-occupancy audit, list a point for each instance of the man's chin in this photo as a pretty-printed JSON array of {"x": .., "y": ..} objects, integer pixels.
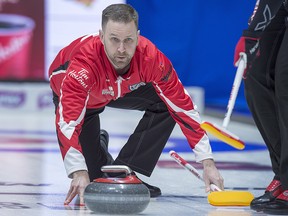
[{"x": 120, "y": 65}]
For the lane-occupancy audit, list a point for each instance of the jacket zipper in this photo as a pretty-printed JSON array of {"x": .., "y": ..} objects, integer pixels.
[{"x": 119, "y": 81}]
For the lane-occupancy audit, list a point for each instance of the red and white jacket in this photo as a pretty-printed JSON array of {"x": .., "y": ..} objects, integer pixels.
[{"x": 83, "y": 78}]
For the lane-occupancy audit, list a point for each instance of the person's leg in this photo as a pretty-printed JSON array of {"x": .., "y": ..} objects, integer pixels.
[
  {"x": 94, "y": 143},
  {"x": 260, "y": 96},
  {"x": 280, "y": 205},
  {"x": 260, "y": 89},
  {"x": 281, "y": 92},
  {"x": 145, "y": 145}
]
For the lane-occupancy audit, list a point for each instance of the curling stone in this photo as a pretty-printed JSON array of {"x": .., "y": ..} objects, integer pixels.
[{"x": 126, "y": 195}]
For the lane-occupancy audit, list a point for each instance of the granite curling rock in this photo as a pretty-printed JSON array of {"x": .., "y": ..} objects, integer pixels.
[{"x": 117, "y": 195}]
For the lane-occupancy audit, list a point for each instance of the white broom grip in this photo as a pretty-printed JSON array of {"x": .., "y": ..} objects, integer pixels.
[{"x": 234, "y": 91}]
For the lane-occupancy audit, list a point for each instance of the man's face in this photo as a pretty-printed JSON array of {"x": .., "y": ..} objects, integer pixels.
[{"x": 120, "y": 41}]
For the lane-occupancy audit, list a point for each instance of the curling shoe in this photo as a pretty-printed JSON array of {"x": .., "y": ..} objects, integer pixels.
[
  {"x": 154, "y": 191},
  {"x": 271, "y": 193},
  {"x": 279, "y": 206}
]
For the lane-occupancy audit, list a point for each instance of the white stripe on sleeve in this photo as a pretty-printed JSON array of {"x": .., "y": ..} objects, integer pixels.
[
  {"x": 56, "y": 73},
  {"x": 74, "y": 161},
  {"x": 68, "y": 128},
  {"x": 191, "y": 113}
]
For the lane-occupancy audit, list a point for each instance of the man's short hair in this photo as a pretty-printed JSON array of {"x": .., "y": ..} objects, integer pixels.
[{"x": 119, "y": 13}]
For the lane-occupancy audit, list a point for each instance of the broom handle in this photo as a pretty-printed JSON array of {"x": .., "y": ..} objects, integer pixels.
[
  {"x": 234, "y": 91},
  {"x": 189, "y": 167}
]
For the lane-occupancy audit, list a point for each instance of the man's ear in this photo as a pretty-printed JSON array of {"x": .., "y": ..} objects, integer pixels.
[
  {"x": 138, "y": 34},
  {"x": 101, "y": 35}
]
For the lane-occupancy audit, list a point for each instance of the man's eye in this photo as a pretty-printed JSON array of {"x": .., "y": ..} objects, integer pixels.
[
  {"x": 115, "y": 39},
  {"x": 128, "y": 40}
]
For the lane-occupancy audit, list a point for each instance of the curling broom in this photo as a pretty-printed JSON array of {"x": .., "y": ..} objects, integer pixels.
[
  {"x": 221, "y": 132},
  {"x": 217, "y": 197}
]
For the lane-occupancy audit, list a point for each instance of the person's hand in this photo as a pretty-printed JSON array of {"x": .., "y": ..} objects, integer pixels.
[
  {"x": 248, "y": 44},
  {"x": 77, "y": 187},
  {"x": 211, "y": 175}
]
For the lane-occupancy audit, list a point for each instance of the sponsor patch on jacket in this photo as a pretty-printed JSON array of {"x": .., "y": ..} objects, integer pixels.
[
  {"x": 167, "y": 75},
  {"x": 136, "y": 86},
  {"x": 108, "y": 91},
  {"x": 81, "y": 76}
]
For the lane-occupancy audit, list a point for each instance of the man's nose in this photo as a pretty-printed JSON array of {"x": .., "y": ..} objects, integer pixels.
[{"x": 121, "y": 47}]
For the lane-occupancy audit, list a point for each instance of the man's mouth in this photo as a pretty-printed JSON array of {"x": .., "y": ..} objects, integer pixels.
[{"x": 121, "y": 57}]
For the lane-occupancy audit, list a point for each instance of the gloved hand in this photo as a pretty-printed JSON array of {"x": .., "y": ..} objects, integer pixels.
[{"x": 248, "y": 44}]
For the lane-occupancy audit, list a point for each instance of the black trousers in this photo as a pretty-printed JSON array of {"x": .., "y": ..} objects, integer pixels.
[
  {"x": 266, "y": 91},
  {"x": 144, "y": 146}
]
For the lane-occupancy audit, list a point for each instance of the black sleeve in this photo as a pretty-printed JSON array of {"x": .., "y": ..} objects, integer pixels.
[{"x": 264, "y": 12}]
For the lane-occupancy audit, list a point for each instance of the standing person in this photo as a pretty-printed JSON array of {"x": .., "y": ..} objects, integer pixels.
[
  {"x": 265, "y": 43},
  {"x": 121, "y": 69}
]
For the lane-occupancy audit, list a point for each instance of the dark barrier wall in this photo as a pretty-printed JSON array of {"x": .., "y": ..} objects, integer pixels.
[{"x": 199, "y": 37}]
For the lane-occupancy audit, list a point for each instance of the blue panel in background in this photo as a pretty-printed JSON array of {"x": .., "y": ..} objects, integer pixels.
[
  {"x": 199, "y": 37},
  {"x": 181, "y": 145}
]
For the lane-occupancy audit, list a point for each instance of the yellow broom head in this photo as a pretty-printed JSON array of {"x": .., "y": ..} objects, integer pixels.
[
  {"x": 223, "y": 135},
  {"x": 230, "y": 198}
]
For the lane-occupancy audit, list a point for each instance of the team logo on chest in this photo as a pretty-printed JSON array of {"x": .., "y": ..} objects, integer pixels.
[{"x": 136, "y": 86}]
